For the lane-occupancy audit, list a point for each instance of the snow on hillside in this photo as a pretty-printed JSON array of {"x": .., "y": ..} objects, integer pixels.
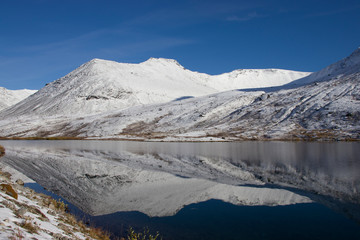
[
  {"x": 346, "y": 66},
  {"x": 253, "y": 78},
  {"x": 11, "y": 97},
  {"x": 327, "y": 108},
  {"x": 100, "y": 86}
]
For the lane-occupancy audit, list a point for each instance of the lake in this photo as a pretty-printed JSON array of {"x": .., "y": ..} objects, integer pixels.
[{"x": 239, "y": 190}]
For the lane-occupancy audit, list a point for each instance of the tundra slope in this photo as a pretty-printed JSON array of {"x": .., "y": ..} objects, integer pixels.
[
  {"x": 11, "y": 97},
  {"x": 99, "y": 86}
]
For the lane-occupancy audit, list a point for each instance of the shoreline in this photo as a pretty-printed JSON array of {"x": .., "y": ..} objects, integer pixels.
[{"x": 188, "y": 140}]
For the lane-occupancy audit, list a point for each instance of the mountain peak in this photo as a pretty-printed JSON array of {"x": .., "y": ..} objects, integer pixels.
[
  {"x": 162, "y": 61},
  {"x": 97, "y": 61},
  {"x": 95, "y": 66}
]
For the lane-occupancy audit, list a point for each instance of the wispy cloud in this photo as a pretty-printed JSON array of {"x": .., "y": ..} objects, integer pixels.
[
  {"x": 244, "y": 18},
  {"x": 334, "y": 12}
]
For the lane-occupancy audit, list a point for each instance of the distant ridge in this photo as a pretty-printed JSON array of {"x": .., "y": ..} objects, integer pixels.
[{"x": 11, "y": 97}]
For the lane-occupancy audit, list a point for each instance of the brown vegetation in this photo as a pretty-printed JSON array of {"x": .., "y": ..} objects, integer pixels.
[
  {"x": 29, "y": 226},
  {"x": 9, "y": 190},
  {"x": 2, "y": 151}
]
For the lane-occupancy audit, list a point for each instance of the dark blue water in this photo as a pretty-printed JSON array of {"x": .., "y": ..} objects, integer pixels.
[{"x": 215, "y": 219}]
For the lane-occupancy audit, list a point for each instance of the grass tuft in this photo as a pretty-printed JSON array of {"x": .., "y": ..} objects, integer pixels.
[
  {"x": 59, "y": 205},
  {"x": 99, "y": 234},
  {"x": 17, "y": 235},
  {"x": 2, "y": 151},
  {"x": 132, "y": 235},
  {"x": 29, "y": 226}
]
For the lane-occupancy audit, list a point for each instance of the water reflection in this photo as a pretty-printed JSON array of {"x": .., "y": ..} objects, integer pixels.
[{"x": 159, "y": 179}]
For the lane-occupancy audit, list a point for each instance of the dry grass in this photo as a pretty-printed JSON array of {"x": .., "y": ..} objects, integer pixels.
[
  {"x": 71, "y": 220},
  {"x": 17, "y": 235},
  {"x": 2, "y": 151},
  {"x": 29, "y": 226},
  {"x": 59, "y": 205},
  {"x": 98, "y": 233},
  {"x": 77, "y": 225},
  {"x": 145, "y": 235},
  {"x": 313, "y": 135}
]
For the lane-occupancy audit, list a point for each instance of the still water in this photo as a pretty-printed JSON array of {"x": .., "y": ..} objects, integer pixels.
[{"x": 243, "y": 190}]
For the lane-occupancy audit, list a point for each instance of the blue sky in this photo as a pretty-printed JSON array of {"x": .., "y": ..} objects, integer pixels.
[{"x": 42, "y": 40}]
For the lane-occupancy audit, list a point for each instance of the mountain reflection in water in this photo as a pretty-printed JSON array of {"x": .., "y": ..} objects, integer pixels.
[{"x": 159, "y": 179}]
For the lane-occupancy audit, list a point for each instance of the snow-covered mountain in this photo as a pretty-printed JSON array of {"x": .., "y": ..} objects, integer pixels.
[
  {"x": 11, "y": 97},
  {"x": 100, "y": 86},
  {"x": 324, "y": 105},
  {"x": 347, "y": 66},
  {"x": 326, "y": 108}
]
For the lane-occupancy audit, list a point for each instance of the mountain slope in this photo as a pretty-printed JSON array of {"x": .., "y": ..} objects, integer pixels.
[
  {"x": 327, "y": 108},
  {"x": 100, "y": 86},
  {"x": 347, "y": 66},
  {"x": 11, "y": 97}
]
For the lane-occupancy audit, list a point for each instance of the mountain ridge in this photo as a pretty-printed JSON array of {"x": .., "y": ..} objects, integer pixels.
[
  {"x": 320, "y": 107},
  {"x": 101, "y": 85}
]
